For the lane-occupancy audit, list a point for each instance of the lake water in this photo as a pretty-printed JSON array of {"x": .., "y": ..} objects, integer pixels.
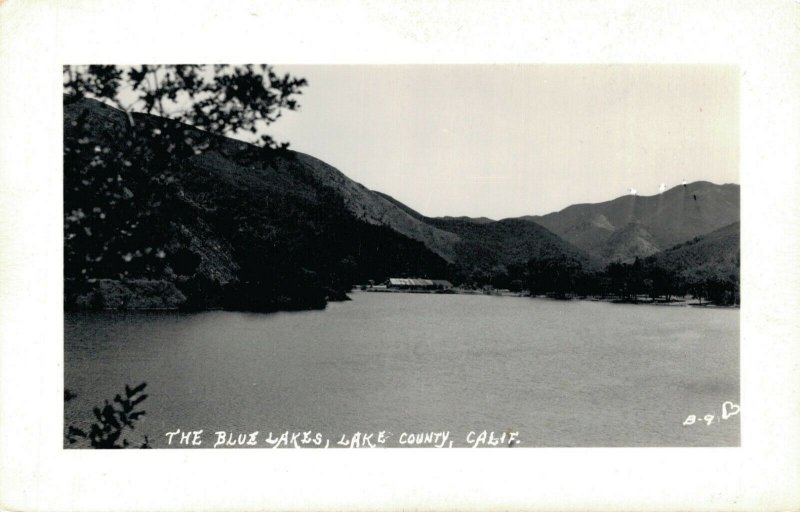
[{"x": 560, "y": 373}]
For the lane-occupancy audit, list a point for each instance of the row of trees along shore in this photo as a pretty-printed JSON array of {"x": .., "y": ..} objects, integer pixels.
[{"x": 642, "y": 279}]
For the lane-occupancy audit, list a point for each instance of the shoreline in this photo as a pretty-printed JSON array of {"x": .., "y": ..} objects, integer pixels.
[{"x": 682, "y": 302}]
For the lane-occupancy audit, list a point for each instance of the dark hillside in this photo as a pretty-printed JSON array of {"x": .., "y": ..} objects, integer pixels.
[
  {"x": 151, "y": 204},
  {"x": 494, "y": 246},
  {"x": 711, "y": 256}
]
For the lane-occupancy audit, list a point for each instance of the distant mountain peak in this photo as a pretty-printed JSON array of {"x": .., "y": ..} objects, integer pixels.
[{"x": 633, "y": 226}]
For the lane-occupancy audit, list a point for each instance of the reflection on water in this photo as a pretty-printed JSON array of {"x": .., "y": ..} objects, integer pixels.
[{"x": 560, "y": 373}]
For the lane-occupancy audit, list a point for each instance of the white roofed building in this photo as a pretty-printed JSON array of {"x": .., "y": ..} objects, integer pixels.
[{"x": 413, "y": 283}]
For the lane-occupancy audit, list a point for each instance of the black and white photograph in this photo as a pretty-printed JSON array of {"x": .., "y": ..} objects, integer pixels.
[
  {"x": 453, "y": 256},
  {"x": 399, "y": 255}
]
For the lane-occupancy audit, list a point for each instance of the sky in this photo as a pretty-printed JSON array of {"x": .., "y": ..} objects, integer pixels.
[{"x": 509, "y": 140}]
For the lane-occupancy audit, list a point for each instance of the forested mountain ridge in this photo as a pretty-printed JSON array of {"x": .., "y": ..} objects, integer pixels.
[{"x": 714, "y": 255}]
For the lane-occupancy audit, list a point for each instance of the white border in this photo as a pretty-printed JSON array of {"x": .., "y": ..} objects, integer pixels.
[{"x": 38, "y": 36}]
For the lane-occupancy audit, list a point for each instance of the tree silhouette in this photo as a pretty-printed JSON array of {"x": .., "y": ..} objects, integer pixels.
[
  {"x": 556, "y": 275},
  {"x": 120, "y": 170},
  {"x": 113, "y": 418},
  {"x": 237, "y": 101}
]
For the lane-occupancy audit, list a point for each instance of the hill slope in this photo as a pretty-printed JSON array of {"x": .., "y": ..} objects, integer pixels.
[
  {"x": 711, "y": 256},
  {"x": 639, "y": 226},
  {"x": 484, "y": 245},
  {"x": 159, "y": 214},
  {"x": 488, "y": 247}
]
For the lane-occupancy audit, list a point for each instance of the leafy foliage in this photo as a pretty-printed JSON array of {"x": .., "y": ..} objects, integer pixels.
[
  {"x": 556, "y": 275},
  {"x": 113, "y": 220},
  {"x": 239, "y": 101},
  {"x": 113, "y": 418},
  {"x": 121, "y": 191}
]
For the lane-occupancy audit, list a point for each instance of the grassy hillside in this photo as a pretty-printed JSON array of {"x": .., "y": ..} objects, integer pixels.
[{"x": 639, "y": 226}]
